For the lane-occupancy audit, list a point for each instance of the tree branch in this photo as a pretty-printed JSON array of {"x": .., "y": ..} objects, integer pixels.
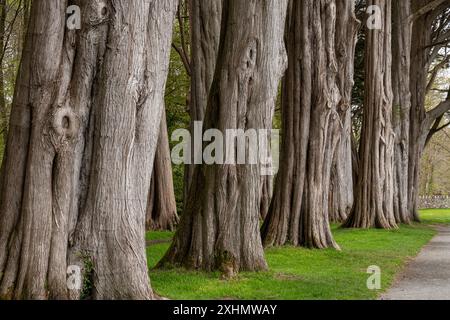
[{"x": 426, "y": 9}]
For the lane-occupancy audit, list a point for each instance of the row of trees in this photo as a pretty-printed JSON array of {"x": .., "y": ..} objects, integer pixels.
[{"x": 87, "y": 164}]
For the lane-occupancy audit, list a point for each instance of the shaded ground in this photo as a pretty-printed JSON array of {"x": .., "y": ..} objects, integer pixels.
[{"x": 427, "y": 277}]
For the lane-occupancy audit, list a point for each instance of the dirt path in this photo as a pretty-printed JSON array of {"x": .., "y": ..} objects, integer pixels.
[{"x": 427, "y": 277}]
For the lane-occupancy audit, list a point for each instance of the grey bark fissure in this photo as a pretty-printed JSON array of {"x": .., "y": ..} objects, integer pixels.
[{"x": 84, "y": 128}]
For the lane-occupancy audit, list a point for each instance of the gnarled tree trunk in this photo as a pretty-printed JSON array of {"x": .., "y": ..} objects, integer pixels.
[
  {"x": 83, "y": 134},
  {"x": 206, "y": 21},
  {"x": 162, "y": 206},
  {"x": 341, "y": 193},
  {"x": 299, "y": 210},
  {"x": 401, "y": 58},
  {"x": 420, "y": 50},
  {"x": 219, "y": 229},
  {"x": 374, "y": 191}
]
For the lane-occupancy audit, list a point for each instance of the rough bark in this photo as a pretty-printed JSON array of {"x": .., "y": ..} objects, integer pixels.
[
  {"x": 162, "y": 206},
  {"x": 420, "y": 121},
  {"x": 374, "y": 190},
  {"x": 299, "y": 209},
  {"x": 206, "y": 17},
  {"x": 219, "y": 229},
  {"x": 401, "y": 49},
  {"x": 83, "y": 133},
  {"x": 3, "y": 110},
  {"x": 266, "y": 195},
  {"x": 341, "y": 193}
]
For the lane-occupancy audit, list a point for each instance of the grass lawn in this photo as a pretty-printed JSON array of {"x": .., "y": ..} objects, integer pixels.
[
  {"x": 301, "y": 273},
  {"x": 435, "y": 216}
]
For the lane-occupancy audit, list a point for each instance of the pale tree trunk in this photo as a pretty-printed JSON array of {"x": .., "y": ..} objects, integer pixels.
[
  {"x": 206, "y": 19},
  {"x": 401, "y": 58},
  {"x": 219, "y": 229},
  {"x": 341, "y": 193},
  {"x": 299, "y": 210},
  {"x": 374, "y": 191},
  {"x": 83, "y": 134},
  {"x": 162, "y": 206}
]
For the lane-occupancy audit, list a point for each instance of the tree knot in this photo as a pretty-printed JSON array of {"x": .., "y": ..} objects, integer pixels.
[{"x": 65, "y": 123}]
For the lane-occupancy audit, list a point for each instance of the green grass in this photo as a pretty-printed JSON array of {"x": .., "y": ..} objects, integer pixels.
[
  {"x": 435, "y": 216},
  {"x": 305, "y": 274}
]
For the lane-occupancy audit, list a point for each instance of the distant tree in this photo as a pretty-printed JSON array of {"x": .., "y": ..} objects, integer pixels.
[
  {"x": 431, "y": 35},
  {"x": 162, "y": 206}
]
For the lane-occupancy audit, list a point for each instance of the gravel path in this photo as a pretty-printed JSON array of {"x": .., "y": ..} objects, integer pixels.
[{"x": 427, "y": 277}]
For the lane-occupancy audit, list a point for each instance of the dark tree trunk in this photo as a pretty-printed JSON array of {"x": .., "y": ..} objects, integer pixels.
[
  {"x": 374, "y": 190},
  {"x": 266, "y": 195},
  {"x": 341, "y": 193},
  {"x": 3, "y": 109},
  {"x": 419, "y": 74},
  {"x": 162, "y": 206},
  {"x": 219, "y": 229},
  {"x": 79, "y": 156},
  {"x": 206, "y": 17},
  {"x": 401, "y": 49},
  {"x": 299, "y": 209}
]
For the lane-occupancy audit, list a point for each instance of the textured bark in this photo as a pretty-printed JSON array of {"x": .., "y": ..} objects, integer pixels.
[
  {"x": 299, "y": 210},
  {"x": 341, "y": 193},
  {"x": 266, "y": 195},
  {"x": 401, "y": 49},
  {"x": 219, "y": 229},
  {"x": 419, "y": 74},
  {"x": 3, "y": 110},
  {"x": 162, "y": 206},
  {"x": 83, "y": 133},
  {"x": 374, "y": 190},
  {"x": 206, "y": 17}
]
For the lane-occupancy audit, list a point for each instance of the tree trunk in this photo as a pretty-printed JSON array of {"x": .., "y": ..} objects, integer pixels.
[
  {"x": 401, "y": 49},
  {"x": 206, "y": 19},
  {"x": 162, "y": 206},
  {"x": 83, "y": 134},
  {"x": 299, "y": 210},
  {"x": 219, "y": 229},
  {"x": 3, "y": 110},
  {"x": 341, "y": 193},
  {"x": 374, "y": 191},
  {"x": 266, "y": 196},
  {"x": 418, "y": 81}
]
